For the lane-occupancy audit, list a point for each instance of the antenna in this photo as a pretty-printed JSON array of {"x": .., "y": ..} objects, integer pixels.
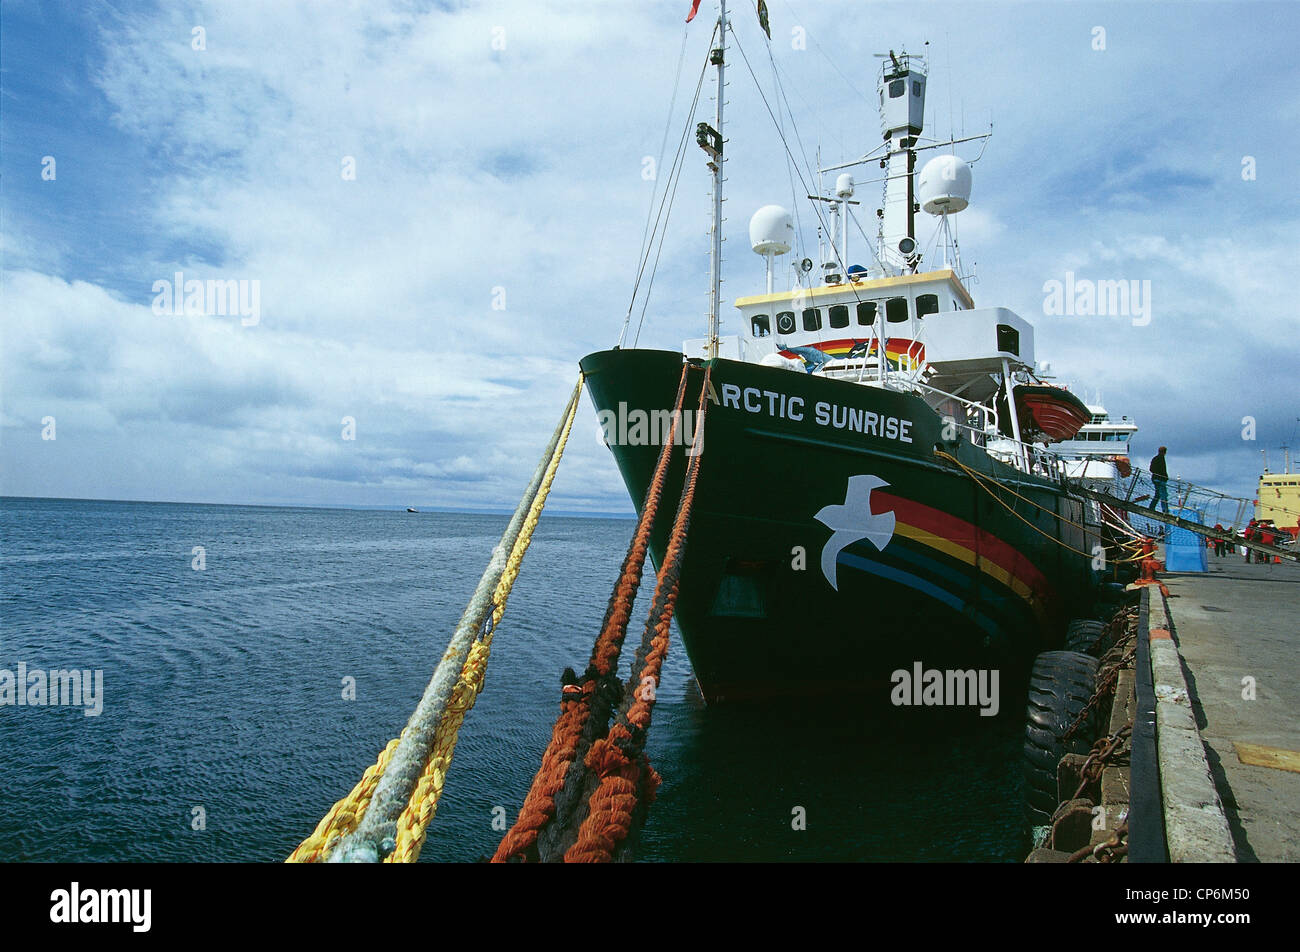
[{"x": 947, "y": 43}]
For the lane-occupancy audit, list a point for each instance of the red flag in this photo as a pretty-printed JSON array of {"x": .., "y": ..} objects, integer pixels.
[{"x": 695, "y": 8}]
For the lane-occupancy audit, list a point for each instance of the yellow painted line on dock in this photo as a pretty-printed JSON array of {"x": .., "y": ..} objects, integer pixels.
[{"x": 1259, "y": 756}]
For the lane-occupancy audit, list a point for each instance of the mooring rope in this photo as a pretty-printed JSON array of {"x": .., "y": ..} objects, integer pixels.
[
  {"x": 979, "y": 481},
  {"x": 626, "y": 779},
  {"x": 385, "y": 816},
  {"x": 586, "y": 705}
]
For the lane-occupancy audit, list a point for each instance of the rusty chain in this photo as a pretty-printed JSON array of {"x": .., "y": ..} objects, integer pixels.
[
  {"x": 1118, "y": 657},
  {"x": 1103, "y": 752},
  {"x": 1112, "y": 850}
]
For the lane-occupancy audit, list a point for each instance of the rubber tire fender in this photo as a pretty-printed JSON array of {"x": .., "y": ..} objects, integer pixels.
[
  {"x": 1083, "y": 633},
  {"x": 1060, "y": 686}
]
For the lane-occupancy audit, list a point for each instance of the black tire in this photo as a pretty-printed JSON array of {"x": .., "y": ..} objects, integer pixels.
[
  {"x": 1060, "y": 687},
  {"x": 1082, "y": 634}
]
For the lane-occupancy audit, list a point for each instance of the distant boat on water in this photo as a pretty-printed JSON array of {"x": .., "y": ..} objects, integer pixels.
[{"x": 411, "y": 509}]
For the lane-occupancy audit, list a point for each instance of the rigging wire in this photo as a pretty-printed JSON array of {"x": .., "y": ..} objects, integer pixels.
[
  {"x": 865, "y": 240},
  {"x": 650, "y": 209},
  {"x": 850, "y": 285},
  {"x": 835, "y": 66},
  {"x": 789, "y": 169},
  {"x": 664, "y": 210},
  {"x": 785, "y": 143}
]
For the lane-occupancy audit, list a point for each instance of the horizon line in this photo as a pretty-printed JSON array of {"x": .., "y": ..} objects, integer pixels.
[{"x": 342, "y": 507}]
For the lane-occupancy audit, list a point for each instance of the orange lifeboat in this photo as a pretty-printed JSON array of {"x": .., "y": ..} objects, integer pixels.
[{"x": 1049, "y": 413}]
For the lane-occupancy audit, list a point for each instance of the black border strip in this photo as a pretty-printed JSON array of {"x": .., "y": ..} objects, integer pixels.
[{"x": 1146, "y": 822}]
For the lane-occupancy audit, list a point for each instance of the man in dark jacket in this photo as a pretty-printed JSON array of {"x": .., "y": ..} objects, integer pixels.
[{"x": 1160, "y": 477}]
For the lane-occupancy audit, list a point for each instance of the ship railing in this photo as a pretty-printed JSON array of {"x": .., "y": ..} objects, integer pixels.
[
  {"x": 1028, "y": 457},
  {"x": 981, "y": 426},
  {"x": 856, "y": 370},
  {"x": 981, "y": 419}
]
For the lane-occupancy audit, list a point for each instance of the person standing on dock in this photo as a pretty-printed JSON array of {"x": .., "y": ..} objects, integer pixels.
[
  {"x": 1160, "y": 479},
  {"x": 1266, "y": 536}
]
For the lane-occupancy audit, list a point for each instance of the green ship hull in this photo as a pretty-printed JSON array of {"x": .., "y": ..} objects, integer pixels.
[{"x": 829, "y": 544}]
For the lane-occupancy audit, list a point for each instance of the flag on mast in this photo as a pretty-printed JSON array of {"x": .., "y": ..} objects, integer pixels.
[
  {"x": 695, "y": 8},
  {"x": 762, "y": 18}
]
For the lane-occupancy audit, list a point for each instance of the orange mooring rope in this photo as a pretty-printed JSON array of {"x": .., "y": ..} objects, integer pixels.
[
  {"x": 626, "y": 777},
  {"x": 598, "y": 684}
]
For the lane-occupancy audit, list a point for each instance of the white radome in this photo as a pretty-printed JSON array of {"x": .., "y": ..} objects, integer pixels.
[
  {"x": 944, "y": 186},
  {"x": 771, "y": 231}
]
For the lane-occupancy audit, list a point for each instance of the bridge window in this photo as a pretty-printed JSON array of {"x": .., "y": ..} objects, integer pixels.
[
  {"x": 896, "y": 88},
  {"x": 916, "y": 88},
  {"x": 839, "y": 315},
  {"x": 812, "y": 319},
  {"x": 867, "y": 313},
  {"x": 896, "y": 310},
  {"x": 1008, "y": 339},
  {"x": 785, "y": 322},
  {"x": 927, "y": 304},
  {"x": 761, "y": 325}
]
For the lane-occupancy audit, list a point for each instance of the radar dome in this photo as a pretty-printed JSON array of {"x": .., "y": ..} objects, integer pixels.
[
  {"x": 771, "y": 231},
  {"x": 944, "y": 186}
]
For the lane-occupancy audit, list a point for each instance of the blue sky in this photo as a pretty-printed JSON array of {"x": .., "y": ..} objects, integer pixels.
[{"x": 501, "y": 145}]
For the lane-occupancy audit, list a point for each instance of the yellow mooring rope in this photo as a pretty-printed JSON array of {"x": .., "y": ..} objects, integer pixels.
[
  {"x": 345, "y": 817},
  {"x": 979, "y": 481}
]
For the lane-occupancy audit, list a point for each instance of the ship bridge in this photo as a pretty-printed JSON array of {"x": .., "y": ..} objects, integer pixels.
[{"x": 927, "y": 322}]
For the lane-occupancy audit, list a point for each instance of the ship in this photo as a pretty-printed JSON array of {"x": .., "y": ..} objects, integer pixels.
[
  {"x": 1277, "y": 499},
  {"x": 875, "y": 487},
  {"x": 1099, "y": 453}
]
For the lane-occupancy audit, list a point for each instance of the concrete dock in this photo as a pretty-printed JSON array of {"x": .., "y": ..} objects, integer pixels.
[{"x": 1236, "y": 630}]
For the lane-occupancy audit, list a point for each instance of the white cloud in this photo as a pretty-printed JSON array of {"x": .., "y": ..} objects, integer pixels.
[{"x": 520, "y": 169}]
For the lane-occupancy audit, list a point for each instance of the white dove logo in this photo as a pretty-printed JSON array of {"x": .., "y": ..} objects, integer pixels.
[{"x": 854, "y": 521}]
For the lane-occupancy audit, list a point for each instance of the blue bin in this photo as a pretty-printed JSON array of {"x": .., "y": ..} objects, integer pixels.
[{"x": 1185, "y": 551}]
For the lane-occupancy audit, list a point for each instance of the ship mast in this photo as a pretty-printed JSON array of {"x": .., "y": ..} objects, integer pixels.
[{"x": 717, "y": 58}]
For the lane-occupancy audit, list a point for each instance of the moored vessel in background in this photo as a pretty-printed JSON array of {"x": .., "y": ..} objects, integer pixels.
[
  {"x": 1100, "y": 451},
  {"x": 1278, "y": 497}
]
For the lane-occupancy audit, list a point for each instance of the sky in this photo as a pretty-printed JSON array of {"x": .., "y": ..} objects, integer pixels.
[{"x": 435, "y": 209}]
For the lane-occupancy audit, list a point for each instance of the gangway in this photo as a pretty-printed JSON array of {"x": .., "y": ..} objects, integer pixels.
[{"x": 1141, "y": 509}]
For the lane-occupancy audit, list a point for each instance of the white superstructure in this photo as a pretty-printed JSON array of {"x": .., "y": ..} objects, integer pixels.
[{"x": 1100, "y": 452}]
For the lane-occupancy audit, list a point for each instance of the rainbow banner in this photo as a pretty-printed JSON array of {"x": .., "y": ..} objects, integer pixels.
[{"x": 901, "y": 353}]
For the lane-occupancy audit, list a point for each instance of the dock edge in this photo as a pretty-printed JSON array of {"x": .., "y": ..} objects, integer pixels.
[{"x": 1196, "y": 828}]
